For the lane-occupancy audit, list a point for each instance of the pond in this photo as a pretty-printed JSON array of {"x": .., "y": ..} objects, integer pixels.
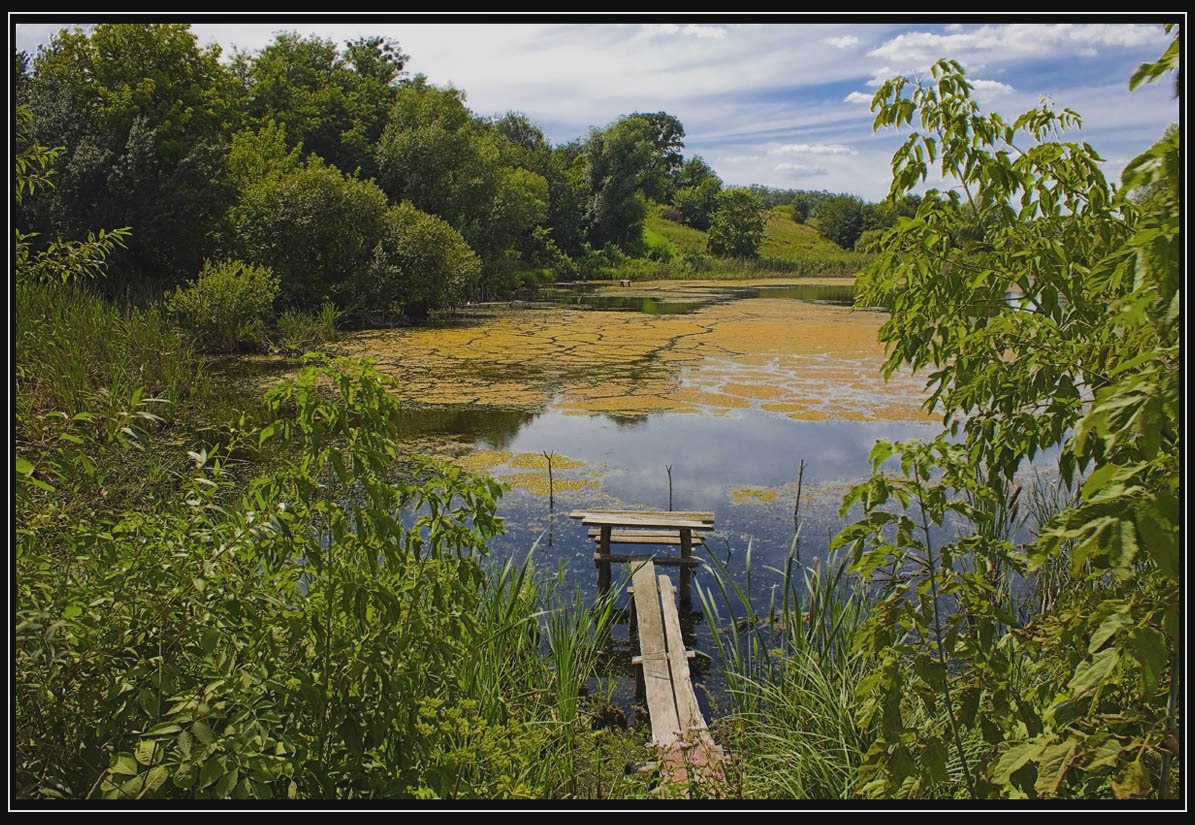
[{"x": 702, "y": 396}]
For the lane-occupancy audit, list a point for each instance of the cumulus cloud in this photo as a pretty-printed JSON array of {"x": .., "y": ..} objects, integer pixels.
[
  {"x": 986, "y": 89},
  {"x": 691, "y": 30},
  {"x": 801, "y": 170},
  {"x": 813, "y": 149},
  {"x": 1012, "y": 42},
  {"x": 857, "y": 97},
  {"x": 881, "y": 75},
  {"x": 844, "y": 42}
]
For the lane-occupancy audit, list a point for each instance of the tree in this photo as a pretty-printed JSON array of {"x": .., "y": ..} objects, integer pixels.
[
  {"x": 800, "y": 208},
  {"x": 617, "y": 161},
  {"x": 1079, "y": 699},
  {"x": 434, "y": 153},
  {"x": 144, "y": 116},
  {"x": 420, "y": 263},
  {"x": 334, "y": 103},
  {"x": 840, "y": 218},
  {"x": 668, "y": 139},
  {"x": 736, "y": 228},
  {"x": 314, "y": 227},
  {"x": 697, "y": 191}
]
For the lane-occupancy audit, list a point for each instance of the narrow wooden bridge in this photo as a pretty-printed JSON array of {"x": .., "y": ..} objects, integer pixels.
[{"x": 688, "y": 755}]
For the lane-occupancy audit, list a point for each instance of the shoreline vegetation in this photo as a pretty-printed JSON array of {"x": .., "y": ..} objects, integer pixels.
[{"x": 215, "y": 596}]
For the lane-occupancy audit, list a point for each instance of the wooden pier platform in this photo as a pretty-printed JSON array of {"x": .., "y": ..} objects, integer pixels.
[
  {"x": 670, "y": 528},
  {"x": 688, "y": 755}
]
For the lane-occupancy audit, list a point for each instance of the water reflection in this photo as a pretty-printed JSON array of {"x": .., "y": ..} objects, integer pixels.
[{"x": 691, "y": 298}]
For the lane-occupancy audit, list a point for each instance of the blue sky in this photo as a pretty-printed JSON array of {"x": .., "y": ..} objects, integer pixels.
[{"x": 779, "y": 103}]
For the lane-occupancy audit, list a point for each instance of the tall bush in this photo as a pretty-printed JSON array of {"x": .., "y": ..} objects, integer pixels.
[{"x": 227, "y": 306}]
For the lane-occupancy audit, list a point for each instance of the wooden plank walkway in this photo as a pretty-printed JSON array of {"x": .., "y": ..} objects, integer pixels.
[{"x": 687, "y": 751}]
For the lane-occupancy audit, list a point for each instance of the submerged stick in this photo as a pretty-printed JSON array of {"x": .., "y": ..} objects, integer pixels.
[{"x": 551, "y": 483}]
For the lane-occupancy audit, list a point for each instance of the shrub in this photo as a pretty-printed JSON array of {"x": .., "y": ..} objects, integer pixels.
[{"x": 227, "y": 305}]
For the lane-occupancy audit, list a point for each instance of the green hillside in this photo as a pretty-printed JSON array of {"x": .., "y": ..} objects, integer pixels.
[{"x": 788, "y": 248}]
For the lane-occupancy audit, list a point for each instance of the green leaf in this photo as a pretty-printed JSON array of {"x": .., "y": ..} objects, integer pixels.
[
  {"x": 934, "y": 758},
  {"x": 208, "y": 640},
  {"x": 1013, "y": 760},
  {"x": 202, "y": 732},
  {"x": 1093, "y": 672},
  {"x": 211, "y": 771},
  {"x": 1052, "y": 766},
  {"x": 1108, "y": 628},
  {"x": 1148, "y": 647},
  {"x": 145, "y": 751},
  {"x": 156, "y": 777},
  {"x": 1102, "y": 751},
  {"x": 1159, "y": 532},
  {"x": 1133, "y": 782},
  {"x": 71, "y": 611},
  {"x": 124, "y": 765}
]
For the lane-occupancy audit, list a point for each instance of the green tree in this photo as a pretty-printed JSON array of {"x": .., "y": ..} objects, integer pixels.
[
  {"x": 420, "y": 263},
  {"x": 314, "y": 227},
  {"x": 144, "y": 116},
  {"x": 840, "y": 218},
  {"x": 617, "y": 161},
  {"x": 736, "y": 228},
  {"x": 697, "y": 191},
  {"x": 800, "y": 208},
  {"x": 668, "y": 138},
  {"x": 1079, "y": 699},
  {"x": 435, "y": 154}
]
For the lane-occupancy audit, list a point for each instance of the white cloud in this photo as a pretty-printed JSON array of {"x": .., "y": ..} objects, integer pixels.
[
  {"x": 801, "y": 170},
  {"x": 987, "y": 89},
  {"x": 881, "y": 75},
  {"x": 1088, "y": 52},
  {"x": 857, "y": 97},
  {"x": 844, "y": 42},
  {"x": 812, "y": 149},
  {"x": 1013, "y": 42},
  {"x": 691, "y": 30}
]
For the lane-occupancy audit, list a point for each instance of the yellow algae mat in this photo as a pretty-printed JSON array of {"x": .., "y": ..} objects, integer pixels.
[{"x": 786, "y": 357}]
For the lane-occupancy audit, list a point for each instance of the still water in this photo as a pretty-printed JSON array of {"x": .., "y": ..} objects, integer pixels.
[{"x": 705, "y": 397}]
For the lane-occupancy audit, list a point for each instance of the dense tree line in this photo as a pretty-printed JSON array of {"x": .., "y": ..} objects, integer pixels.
[
  {"x": 295, "y": 158},
  {"x": 329, "y": 166}
]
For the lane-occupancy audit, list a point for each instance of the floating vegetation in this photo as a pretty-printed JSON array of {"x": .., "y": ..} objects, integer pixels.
[
  {"x": 804, "y": 360},
  {"x": 754, "y": 495}
]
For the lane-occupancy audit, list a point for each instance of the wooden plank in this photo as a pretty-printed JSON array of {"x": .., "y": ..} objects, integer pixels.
[
  {"x": 663, "y": 533},
  {"x": 623, "y": 558},
  {"x": 694, "y": 515},
  {"x": 657, "y": 675},
  {"x": 649, "y": 538},
  {"x": 688, "y": 712},
  {"x": 658, "y": 521}
]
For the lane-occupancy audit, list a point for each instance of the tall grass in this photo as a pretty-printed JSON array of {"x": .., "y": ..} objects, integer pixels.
[
  {"x": 702, "y": 267},
  {"x": 792, "y": 676},
  {"x": 76, "y": 352}
]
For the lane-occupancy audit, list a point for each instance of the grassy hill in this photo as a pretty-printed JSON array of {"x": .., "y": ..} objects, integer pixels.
[{"x": 789, "y": 248}]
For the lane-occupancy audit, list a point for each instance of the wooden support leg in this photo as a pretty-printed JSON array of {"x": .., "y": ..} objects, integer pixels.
[
  {"x": 686, "y": 570},
  {"x": 604, "y": 563}
]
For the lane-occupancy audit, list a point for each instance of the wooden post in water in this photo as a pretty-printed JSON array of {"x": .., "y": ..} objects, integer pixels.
[
  {"x": 686, "y": 569},
  {"x": 668, "y": 467},
  {"x": 604, "y": 562},
  {"x": 551, "y": 483}
]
